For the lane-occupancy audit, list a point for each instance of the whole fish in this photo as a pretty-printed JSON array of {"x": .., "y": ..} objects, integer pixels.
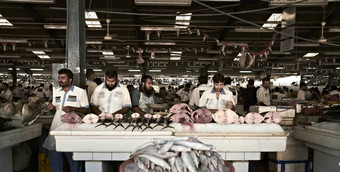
[
  {"x": 10, "y": 109},
  {"x": 194, "y": 158},
  {"x": 172, "y": 162},
  {"x": 166, "y": 147},
  {"x": 179, "y": 164},
  {"x": 193, "y": 145},
  {"x": 203, "y": 160},
  {"x": 141, "y": 166},
  {"x": 27, "y": 113},
  {"x": 179, "y": 148},
  {"x": 157, "y": 161},
  {"x": 188, "y": 162}
]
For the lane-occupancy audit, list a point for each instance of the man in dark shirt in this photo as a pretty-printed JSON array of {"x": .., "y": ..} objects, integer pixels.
[{"x": 249, "y": 95}]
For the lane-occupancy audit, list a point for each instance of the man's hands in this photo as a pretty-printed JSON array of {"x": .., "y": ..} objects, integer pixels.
[
  {"x": 229, "y": 105},
  {"x": 68, "y": 109}
]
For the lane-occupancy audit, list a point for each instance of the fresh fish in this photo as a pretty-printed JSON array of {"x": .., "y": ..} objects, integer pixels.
[
  {"x": 188, "y": 162},
  {"x": 152, "y": 165},
  {"x": 158, "y": 169},
  {"x": 146, "y": 162},
  {"x": 194, "y": 158},
  {"x": 179, "y": 164},
  {"x": 90, "y": 119},
  {"x": 207, "y": 153},
  {"x": 213, "y": 160},
  {"x": 157, "y": 161},
  {"x": 203, "y": 160},
  {"x": 166, "y": 147},
  {"x": 167, "y": 124},
  {"x": 155, "y": 152},
  {"x": 131, "y": 120},
  {"x": 172, "y": 162},
  {"x": 141, "y": 166},
  {"x": 10, "y": 109},
  {"x": 193, "y": 145},
  {"x": 158, "y": 141},
  {"x": 179, "y": 148},
  {"x": 26, "y": 113}
]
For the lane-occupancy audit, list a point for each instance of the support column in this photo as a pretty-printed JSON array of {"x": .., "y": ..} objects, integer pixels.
[
  {"x": 330, "y": 79},
  {"x": 75, "y": 41},
  {"x": 14, "y": 74}
]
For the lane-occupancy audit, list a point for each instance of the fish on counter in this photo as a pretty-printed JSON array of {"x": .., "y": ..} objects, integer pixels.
[
  {"x": 90, "y": 118},
  {"x": 253, "y": 118},
  {"x": 10, "y": 109},
  {"x": 71, "y": 118},
  {"x": 225, "y": 116},
  {"x": 202, "y": 116},
  {"x": 179, "y": 154}
]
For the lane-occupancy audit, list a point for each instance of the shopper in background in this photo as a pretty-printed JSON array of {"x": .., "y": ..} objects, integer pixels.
[
  {"x": 249, "y": 95},
  {"x": 110, "y": 97},
  {"x": 6, "y": 94},
  {"x": 198, "y": 92},
  {"x": 262, "y": 94},
  {"x": 90, "y": 84},
  {"x": 184, "y": 93},
  {"x": 68, "y": 99},
  {"x": 39, "y": 91},
  {"x": 234, "y": 90},
  {"x": 328, "y": 97},
  {"x": 277, "y": 95},
  {"x": 302, "y": 92},
  {"x": 217, "y": 98},
  {"x": 143, "y": 95},
  {"x": 19, "y": 92},
  {"x": 335, "y": 91}
]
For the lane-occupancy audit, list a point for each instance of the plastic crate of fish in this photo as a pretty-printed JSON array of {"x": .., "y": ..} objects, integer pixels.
[{"x": 286, "y": 111}]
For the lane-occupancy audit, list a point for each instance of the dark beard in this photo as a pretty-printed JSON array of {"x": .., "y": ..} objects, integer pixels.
[
  {"x": 111, "y": 88},
  {"x": 148, "y": 93}
]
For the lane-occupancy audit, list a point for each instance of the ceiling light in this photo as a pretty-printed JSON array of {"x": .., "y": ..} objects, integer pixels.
[
  {"x": 183, "y": 20},
  {"x": 91, "y": 19},
  {"x": 108, "y": 53},
  {"x": 310, "y": 54},
  {"x": 307, "y": 45},
  {"x": 50, "y": 26},
  {"x": 12, "y": 69},
  {"x": 37, "y": 69},
  {"x": 38, "y": 52},
  {"x": 155, "y": 70},
  {"x": 337, "y": 67},
  {"x": 212, "y": 71},
  {"x": 163, "y": 2},
  {"x": 159, "y": 43},
  {"x": 4, "y": 22},
  {"x": 276, "y": 68},
  {"x": 311, "y": 68},
  {"x": 93, "y": 42},
  {"x": 235, "y": 44},
  {"x": 9, "y": 56},
  {"x": 44, "y": 56},
  {"x": 245, "y": 71},
  {"x": 239, "y": 54},
  {"x": 175, "y": 58},
  {"x": 134, "y": 70},
  {"x": 332, "y": 53},
  {"x": 251, "y": 30},
  {"x": 275, "y": 17},
  {"x": 176, "y": 52},
  {"x": 146, "y": 28},
  {"x": 236, "y": 59},
  {"x": 280, "y": 53},
  {"x": 5, "y": 40},
  {"x": 208, "y": 59},
  {"x": 97, "y": 70}
]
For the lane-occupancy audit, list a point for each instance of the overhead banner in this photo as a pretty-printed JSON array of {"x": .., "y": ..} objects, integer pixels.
[{"x": 288, "y": 27}]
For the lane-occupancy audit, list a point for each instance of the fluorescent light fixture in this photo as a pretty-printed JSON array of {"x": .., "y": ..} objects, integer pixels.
[
  {"x": 36, "y": 74},
  {"x": 311, "y": 68},
  {"x": 337, "y": 67},
  {"x": 91, "y": 19},
  {"x": 93, "y": 42},
  {"x": 39, "y": 49},
  {"x": 44, "y": 56},
  {"x": 251, "y": 30},
  {"x": 212, "y": 71},
  {"x": 207, "y": 59},
  {"x": 188, "y": 71},
  {"x": 134, "y": 70},
  {"x": 155, "y": 70},
  {"x": 97, "y": 70},
  {"x": 175, "y": 58},
  {"x": 5, "y": 40},
  {"x": 50, "y": 26},
  {"x": 12, "y": 69},
  {"x": 239, "y": 54},
  {"x": 37, "y": 69},
  {"x": 307, "y": 45},
  {"x": 4, "y": 22},
  {"x": 145, "y": 28},
  {"x": 236, "y": 59},
  {"x": 159, "y": 43},
  {"x": 235, "y": 44},
  {"x": 183, "y": 20},
  {"x": 176, "y": 52},
  {"x": 9, "y": 56},
  {"x": 245, "y": 71},
  {"x": 280, "y": 53},
  {"x": 164, "y": 2},
  {"x": 109, "y": 57},
  {"x": 310, "y": 54},
  {"x": 334, "y": 30},
  {"x": 275, "y": 68},
  {"x": 275, "y": 17},
  {"x": 38, "y": 52},
  {"x": 332, "y": 53},
  {"x": 108, "y": 53}
]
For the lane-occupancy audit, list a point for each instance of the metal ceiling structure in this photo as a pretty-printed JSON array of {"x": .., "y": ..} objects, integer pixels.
[{"x": 210, "y": 40}]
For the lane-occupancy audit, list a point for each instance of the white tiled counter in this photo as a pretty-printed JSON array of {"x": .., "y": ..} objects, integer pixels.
[
  {"x": 234, "y": 142},
  {"x": 13, "y": 137},
  {"x": 324, "y": 138}
]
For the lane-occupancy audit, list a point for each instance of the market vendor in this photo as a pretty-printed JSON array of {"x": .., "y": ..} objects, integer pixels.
[
  {"x": 198, "y": 92},
  {"x": 6, "y": 94},
  {"x": 262, "y": 94},
  {"x": 302, "y": 92},
  {"x": 217, "y": 98},
  {"x": 326, "y": 95},
  {"x": 110, "y": 96},
  {"x": 69, "y": 98},
  {"x": 143, "y": 95},
  {"x": 184, "y": 93}
]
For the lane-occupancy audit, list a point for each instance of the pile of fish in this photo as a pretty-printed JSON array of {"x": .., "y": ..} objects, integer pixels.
[
  {"x": 177, "y": 155},
  {"x": 230, "y": 117}
]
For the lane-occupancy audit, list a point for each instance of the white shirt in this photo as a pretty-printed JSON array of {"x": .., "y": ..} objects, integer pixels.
[
  {"x": 197, "y": 94},
  {"x": 210, "y": 101},
  {"x": 7, "y": 95},
  {"x": 39, "y": 92},
  {"x": 301, "y": 95},
  {"x": 234, "y": 91},
  {"x": 277, "y": 96},
  {"x": 262, "y": 95},
  {"x": 91, "y": 85},
  {"x": 185, "y": 96},
  {"x": 335, "y": 93},
  {"x": 110, "y": 101},
  {"x": 75, "y": 97}
]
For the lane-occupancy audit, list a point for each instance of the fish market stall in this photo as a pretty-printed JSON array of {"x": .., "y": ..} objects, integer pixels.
[
  {"x": 12, "y": 138},
  {"x": 324, "y": 138},
  {"x": 237, "y": 143}
]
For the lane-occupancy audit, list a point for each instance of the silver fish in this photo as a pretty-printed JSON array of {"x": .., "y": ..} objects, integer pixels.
[
  {"x": 194, "y": 158},
  {"x": 166, "y": 147},
  {"x": 10, "y": 109},
  {"x": 141, "y": 166},
  {"x": 179, "y": 148},
  {"x": 155, "y": 152},
  {"x": 179, "y": 164},
  {"x": 172, "y": 162},
  {"x": 193, "y": 145},
  {"x": 157, "y": 161},
  {"x": 188, "y": 162},
  {"x": 213, "y": 160},
  {"x": 152, "y": 165},
  {"x": 158, "y": 141},
  {"x": 203, "y": 160}
]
